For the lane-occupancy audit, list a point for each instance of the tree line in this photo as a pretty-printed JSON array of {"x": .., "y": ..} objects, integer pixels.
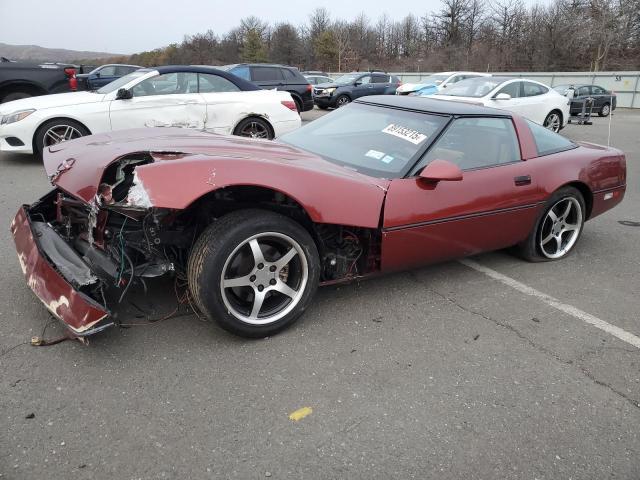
[{"x": 483, "y": 35}]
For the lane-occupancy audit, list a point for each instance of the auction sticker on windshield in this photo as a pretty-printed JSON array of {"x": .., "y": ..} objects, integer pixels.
[{"x": 405, "y": 133}]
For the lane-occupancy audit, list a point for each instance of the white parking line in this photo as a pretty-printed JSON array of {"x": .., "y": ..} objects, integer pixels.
[{"x": 617, "y": 332}]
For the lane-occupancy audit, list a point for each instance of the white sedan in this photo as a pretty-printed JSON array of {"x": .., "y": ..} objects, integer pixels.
[
  {"x": 203, "y": 98},
  {"x": 531, "y": 99},
  {"x": 436, "y": 82}
]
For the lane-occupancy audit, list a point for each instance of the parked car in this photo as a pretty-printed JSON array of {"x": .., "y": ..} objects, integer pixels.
[
  {"x": 528, "y": 98},
  {"x": 317, "y": 79},
  {"x": 279, "y": 77},
  {"x": 436, "y": 82},
  {"x": 604, "y": 101},
  {"x": 321, "y": 73},
  {"x": 350, "y": 86},
  {"x": 385, "y": 184},
  {"x": 103, "y": 75},
  {"x": 186, "y": 96},
  {"x": 22, "y": 79}
]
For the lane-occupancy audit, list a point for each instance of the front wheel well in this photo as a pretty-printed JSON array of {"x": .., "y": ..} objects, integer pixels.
[
  {"x": 345, "y": 251},
  {"x": 259, "y": 117}
]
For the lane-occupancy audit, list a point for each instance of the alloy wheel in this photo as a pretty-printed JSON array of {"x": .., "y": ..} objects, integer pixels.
[
  {"x": 342, "y": 101},
  {"x": 264, "y": 278},
  {"x": 605, "y": 110},
  {"x": 561, "y": 228},
  {"x": 60, "y": 133},
  {"x": 255, "y": 129},
  {"x": 552, "y": 122}
]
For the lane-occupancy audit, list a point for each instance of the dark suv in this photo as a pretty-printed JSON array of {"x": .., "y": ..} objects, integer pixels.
[
  {"x": 280, "y": 77},
  {"x": 350, "y": 86}
]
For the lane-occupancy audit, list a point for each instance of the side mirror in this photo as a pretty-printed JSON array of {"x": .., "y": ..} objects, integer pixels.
[
  {"x": 357, "y": 84},
  {"x": 502, "y": 96},
  {"x": 441, "y": 170},
  {"x": 124, "y": 94},
  {"x": 97, "y": 74}
]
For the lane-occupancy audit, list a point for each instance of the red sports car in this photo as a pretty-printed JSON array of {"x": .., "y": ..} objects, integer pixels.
[{"x": 253, "y": 227}]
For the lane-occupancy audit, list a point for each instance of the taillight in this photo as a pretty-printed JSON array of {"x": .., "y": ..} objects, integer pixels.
[
  {"x": 73, "y": 81},
  {"x": 290, "y": 104},
  {"x": 309, "y": 88},
  {"x": 70, "y": 72},
  {"x": 73, "y": 84}
]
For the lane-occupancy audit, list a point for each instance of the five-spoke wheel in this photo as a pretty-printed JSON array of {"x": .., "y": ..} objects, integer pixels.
[
  {"x": 254, "y": 272},
  {"x": 57, "y": 131},
  {"x": 558, "y": 227},
  {"x": 253, "y": 128},
  {"x": 553, "y": 122}
]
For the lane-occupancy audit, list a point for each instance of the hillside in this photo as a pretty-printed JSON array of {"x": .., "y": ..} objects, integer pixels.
[{"x": 42, "y": 54}]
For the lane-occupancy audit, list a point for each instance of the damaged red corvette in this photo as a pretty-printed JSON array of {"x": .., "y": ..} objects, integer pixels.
[{"x": 384, "y": 184}]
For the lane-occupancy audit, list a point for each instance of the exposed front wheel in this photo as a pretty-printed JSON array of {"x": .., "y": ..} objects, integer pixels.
[
  {"x": 254, "y": 272},
  {"x": 553, "y": 122},
  {"x": 342, "y": 100},
  {"x": 558, "y": 228}
]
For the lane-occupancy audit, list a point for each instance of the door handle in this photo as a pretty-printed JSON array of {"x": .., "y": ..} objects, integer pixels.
[{"x": 522, "y": 180}]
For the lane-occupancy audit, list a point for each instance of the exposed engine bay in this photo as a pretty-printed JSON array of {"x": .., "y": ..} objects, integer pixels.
[{"x": 119, "y": 239}]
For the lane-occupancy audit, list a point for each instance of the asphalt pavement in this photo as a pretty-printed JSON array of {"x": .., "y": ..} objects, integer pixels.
[{"x": 489, "y": 369}]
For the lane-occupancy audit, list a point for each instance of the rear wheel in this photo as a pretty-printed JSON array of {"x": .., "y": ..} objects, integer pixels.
[
  {"x": 254, "y": 128},
  {"x": 254, "y": 272},
  {"x": 58, "y": 131},
  {"x": 605, "y": 110},
  {"x": 557, "y": 229},
  {"x": 553, "y": 121}
]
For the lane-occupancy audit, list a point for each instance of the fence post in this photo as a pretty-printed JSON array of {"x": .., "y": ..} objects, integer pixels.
[{"x": 635, "y": 91}]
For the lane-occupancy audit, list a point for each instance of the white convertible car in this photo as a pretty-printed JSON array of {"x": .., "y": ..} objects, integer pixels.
[
  {"x": 528, "y": 98},
  {"x": 197, "y": 97}
]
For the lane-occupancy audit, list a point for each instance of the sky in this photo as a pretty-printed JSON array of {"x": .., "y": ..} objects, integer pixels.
[{"x": 119, "y": 26}]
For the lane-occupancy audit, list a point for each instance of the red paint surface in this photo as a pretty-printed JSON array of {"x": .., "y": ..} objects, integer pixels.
[{"x": 72, "y": 307}]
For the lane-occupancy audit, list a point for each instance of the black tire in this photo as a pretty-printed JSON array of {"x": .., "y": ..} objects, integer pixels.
[
  {"x": 342, "y": 100},
  {"x": 531, "y": 249},
  {"x": 605, "y": 110},
  {"x": 226, "y": 243},
  {"x": 9, "y": 97},
  {"x": 554, "y": 119},
  {"x": 41, "y": 139},
  {"x": 254, "y": 127},
  {"x": 298, "y": 104}
]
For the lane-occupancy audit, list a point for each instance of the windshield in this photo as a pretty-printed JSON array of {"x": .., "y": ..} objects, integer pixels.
[
  {"x": 472, "y": 87},
  {"x": 433, "y": 79},
  {"x": 346, "y": 79},
  {"x": 122, "y": 81},
  {"x": 374, "y": 140}
]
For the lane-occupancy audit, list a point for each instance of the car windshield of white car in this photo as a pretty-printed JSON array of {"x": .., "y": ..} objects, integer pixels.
[
  {"x": 374, "y": 140},
  {"x": 472, "y": 87},
  {"x": 122, "y": 81}
]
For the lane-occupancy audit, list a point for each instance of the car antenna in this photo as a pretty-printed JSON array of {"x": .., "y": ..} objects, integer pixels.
[{"x": 610, "y": 115}]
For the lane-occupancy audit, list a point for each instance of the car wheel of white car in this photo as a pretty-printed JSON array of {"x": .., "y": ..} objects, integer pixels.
[
  {"x": 254, "y": 128},
  {"x": 57, "y": 131},
  {"x": 553, "y": 122},
  {"x": 254, "y": 272}
]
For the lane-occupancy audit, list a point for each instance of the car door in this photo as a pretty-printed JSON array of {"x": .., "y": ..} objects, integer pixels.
[
  {"x": 168, "y": 100},
  {"x": 494, "y": 205},
  {"x": 600, "y": 97},
  {"x": 515, "y": 103},
  {"x": 267, "y": 77},
  {"x": 380, "y": 83},
  {"x": 363, "y": 86},
  {"x": 536, "y": 102},
  {"x": 221, "y": 100}
]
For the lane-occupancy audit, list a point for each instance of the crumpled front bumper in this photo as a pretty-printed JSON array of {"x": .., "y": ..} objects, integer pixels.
[{"x": 80, "y": 313}]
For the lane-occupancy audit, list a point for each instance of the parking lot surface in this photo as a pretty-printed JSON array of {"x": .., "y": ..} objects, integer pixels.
[{"x": 491, "y": 368}]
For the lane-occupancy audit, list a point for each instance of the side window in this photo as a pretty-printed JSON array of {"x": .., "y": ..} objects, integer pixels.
[
  {"x": 381, "y": 79},
  {"x": 109, "y": 71},
  {"x": 548, "y": 142},
  {"x": 242, "y": 72},
  {"x": 598, "y": 91},
  {"x": 265, "y": 74},
  {"x": 210, "y": 83},
  {"x": 288, "y": 74},
  {"x": 512, "y": 89},
  {"x": 456, "y": 79},
  {"x": 476, "y": 143},
  {"x": 365, "y": 79},
  {"x": 582, "y": 92},
  {"x": 531, "y": 89},
  {"x": 167, "y": 84}
]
